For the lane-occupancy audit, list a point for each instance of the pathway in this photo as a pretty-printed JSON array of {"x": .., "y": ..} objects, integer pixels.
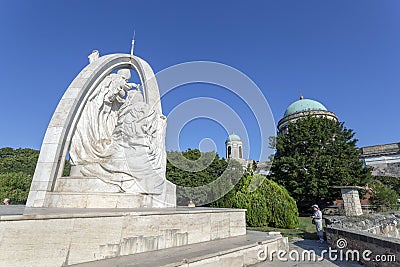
[{"x": 300, "y": 245}]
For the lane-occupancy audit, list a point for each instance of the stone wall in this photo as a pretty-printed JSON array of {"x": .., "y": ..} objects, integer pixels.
[
  {"x": 375, "y": 223},
  {"x": 378, "y": 233},
  {"x": 380, "y": 247},
  {"x": 386, "y": 169}
]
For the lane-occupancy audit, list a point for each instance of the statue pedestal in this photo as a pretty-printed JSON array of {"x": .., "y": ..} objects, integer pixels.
[
  {"x": 92, "y": 192},
  {"x": 62, "y": 237}
]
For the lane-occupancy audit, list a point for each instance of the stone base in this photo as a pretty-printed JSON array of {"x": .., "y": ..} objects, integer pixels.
[
  {"x": 91, "y": 192},
  {"x": 103, "y": 200},
  {"x": 61, "y": 237},
  {"x": 228, "y": 252},
  {"x": 82, "y": 184}
]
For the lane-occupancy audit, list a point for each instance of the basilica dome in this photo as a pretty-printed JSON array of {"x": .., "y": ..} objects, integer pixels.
[
  {"x": 303, "y": 105},
  {"x": 301, "y": 108}
]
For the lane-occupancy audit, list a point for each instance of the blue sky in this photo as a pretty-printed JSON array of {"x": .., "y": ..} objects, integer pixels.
[{"x": 345, "y": 54}]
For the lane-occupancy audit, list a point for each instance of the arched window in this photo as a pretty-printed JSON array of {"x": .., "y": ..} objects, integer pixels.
[
  {"x": 240, "y": 152},
  {"x": 229, "y": 152}
]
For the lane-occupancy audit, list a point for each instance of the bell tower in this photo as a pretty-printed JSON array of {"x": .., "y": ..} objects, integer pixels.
[{"x": 233, "y": 146}]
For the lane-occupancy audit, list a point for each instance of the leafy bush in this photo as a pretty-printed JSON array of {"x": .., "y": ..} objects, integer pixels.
[{"x": 267, "y": 203}]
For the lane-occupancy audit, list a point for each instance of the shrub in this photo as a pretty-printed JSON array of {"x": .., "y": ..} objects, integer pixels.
[{"x": 267, "y": 203}]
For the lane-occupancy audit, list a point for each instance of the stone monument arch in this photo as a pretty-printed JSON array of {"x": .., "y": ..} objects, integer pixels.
[
  {"x": 114, "y": 133},
  {"x": 116, "y": 138}
]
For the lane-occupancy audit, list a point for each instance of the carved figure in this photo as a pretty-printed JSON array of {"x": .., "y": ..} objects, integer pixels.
[{"x": 119, "y": 138}]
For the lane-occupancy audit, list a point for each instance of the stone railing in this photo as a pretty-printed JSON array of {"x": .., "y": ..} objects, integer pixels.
[
  {"x": 374, "y": 238},
  {"x": 365, "y": 247}
]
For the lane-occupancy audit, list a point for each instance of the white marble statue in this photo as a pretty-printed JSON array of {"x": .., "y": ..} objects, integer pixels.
[
  {"x": 94, "y": 56},
  {"x": 119, "y": 138}
]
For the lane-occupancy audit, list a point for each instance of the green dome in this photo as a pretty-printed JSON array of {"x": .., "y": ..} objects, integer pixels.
[
  {"x": 233, "y": 137},
  {"x": 304, "y": 105}
]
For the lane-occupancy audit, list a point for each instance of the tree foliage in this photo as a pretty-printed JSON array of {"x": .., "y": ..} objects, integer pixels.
[
  {"x": 390, "y": 181},
  {"x": 18, "y": 160},
  {"x": 17, "y": 167},
  {"x": 382, "y": 194},
  {"x": 267, "y": 203},
  {"x": 316, "y": 154},
  {"x": 201, "y": 176},
  {"x": 15, "y": 186}
]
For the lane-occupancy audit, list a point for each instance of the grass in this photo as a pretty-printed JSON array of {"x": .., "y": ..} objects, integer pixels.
[{"x": 306, "y": 230}]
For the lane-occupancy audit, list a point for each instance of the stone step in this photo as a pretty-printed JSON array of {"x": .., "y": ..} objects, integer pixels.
[{"x": 230, "y": 252}]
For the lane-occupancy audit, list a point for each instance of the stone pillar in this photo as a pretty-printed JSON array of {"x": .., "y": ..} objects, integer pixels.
[{"x": 351, "y": 201}]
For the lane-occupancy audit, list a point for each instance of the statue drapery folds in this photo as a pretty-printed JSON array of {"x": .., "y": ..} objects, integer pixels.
[{"x": 119, "y": 138}]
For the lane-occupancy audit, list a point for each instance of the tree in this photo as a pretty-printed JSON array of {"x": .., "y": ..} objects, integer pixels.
[
  {"x": 15, "y": 186},
  {"x": 315, "y": 154},
  {"x": 382, "y": 194},
  {"x": 390, "y": 181},
  {"x": 17, "y": 167},
  {"x": 18, "y": 160},
  {"x": 201, "y": 176},
  {"x": 16, "y": 171}
]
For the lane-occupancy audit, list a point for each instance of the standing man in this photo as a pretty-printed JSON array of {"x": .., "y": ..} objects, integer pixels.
[{"x": 317, "y": 219}]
